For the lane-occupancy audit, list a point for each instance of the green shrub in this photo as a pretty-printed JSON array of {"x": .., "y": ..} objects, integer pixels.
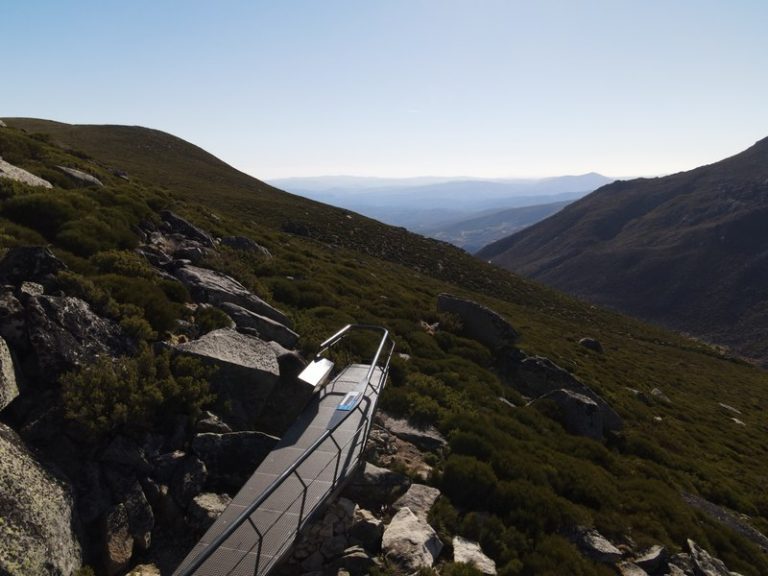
[
  {"x": 468, "y": 482},
  {"x": 210, "y": 318},
  {"x": 134, "y": 393}
]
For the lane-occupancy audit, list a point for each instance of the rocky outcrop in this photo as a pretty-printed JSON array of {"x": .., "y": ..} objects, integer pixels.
[
  {"x": 577, "y": 413},
  {"x": 8, "y": 170},
  {"x": 597, "y": 546},
  {"x": 536, "y": 376},
  {"x": 118, "y": 542},
  {"x": 591, "y": 344},
  {"x": 373, "y": 486},
  {"x": 653, "y": 560},
  {"x": 246, "y": 373},
  {"x": 468, "y": 552},
  {"x": 419, "y": 499},
  {"x": 246, "y": 245},
  {"x": 64, "y": 333},
  {"x": 179, "y": 225},
  {"x": 204, "y": 509},
  {"x": 230, "y": 459},
  {"x": 9, "y": 389},
  {"x": 215, "y": 288},
  {"x": 424, "y": 437},
  {"x": 84, "y": 177},
  {"x": 30, "y": 264},
  {"x": 37, "y": 536},
  {"x": 265, "y": 328},
  {"x": 366, "y": 530},
  {"x": 704, "y": 563},
  {"x": 479, "y": 322},
  {"x": 409, "y": 542}
]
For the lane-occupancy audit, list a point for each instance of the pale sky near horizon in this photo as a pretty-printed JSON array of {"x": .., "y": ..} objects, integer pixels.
[{"x": 484, "y": 88}]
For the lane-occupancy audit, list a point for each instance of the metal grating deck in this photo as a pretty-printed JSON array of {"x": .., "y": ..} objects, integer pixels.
[{"x": 261, "y": 541}]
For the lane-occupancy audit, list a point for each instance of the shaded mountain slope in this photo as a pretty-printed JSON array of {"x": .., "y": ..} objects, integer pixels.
[{"x": 689, "y": 251}]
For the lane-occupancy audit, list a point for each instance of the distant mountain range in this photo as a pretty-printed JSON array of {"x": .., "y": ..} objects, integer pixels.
[
  {"x": 689, "y": 251},
  {"x": 437, "y": 207}
]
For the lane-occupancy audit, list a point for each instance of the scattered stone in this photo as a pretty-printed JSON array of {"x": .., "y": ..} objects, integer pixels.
[
  {"x": 84, "y": 177},
  {"x": 410, "y": 542},
  {"x": 209, "y": 422},
  {"x": 188, "y": 480},
  {"x": 8, "y": 170},
  {"x": 246, "y": 245},
  {"x": 30, "y": 289},
  {"x": 659, "y": 396},
  {"x": 426, "y": 438},
  {"x": 704, "y": 563},
  {"x": 366, "y": 530},
  {"x": 355, "y": 561},
  {"x": 419, "y": 499},
  {"x": 246, "y": 373},
  {"x": 181, "y": 226},
  {"x": 230, "y": 459},
  {"x": 480, "y": 323},
  {"x": 266, "y": 328},
  {"x": 577, "y": 413},
  {"x": 653, "y": 560},
  {"x": 591, "y": 344},
  {"x": 30, "y": 264},
  {"x": 506, "y": 402},
  {"x": 3, "y": 124},
  {"x": 9, "y": 389},
  {"x": 118, "y": 542},
  {"x": 216, "y": 288},
  {"x": 730, "y": 408},
  {"x": 205, "y": 509},
  {"x": 36, "y": 514},
  {"x": 468, "y": 552},
  {"x": 597, "y": 546},
  {"x": 372, "y": 486},
  {"x": 737, "y": 421},
  {"x": 630, "y": 569}
]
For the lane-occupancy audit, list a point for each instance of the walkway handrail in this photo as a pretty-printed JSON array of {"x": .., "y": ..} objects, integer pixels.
[{"x": 214, "y": 545}]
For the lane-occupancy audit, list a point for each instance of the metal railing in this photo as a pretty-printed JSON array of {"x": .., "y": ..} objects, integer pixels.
[{"x": 305, "y": 512}]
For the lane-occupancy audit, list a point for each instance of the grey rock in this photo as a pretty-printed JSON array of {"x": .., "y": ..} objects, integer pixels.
[
  {"x": 597, "y": 546},
  {"x": 409, "y": 542},
  {"x": 27, "y": 289},
  {"x": 141, "y": 520},
  {"x": 3, "y": 124},
  {"x": 165, "y": 465},
  {"x": 480, "y": 323},
  {"x": 36, "y": 515},
  {"x": 231, "y": 459},
  {"x": 84, "y": 177},
  {"x": 8, "y": 170},
  {"x": 659, "y": 396},
  {"x": 372, "y": 486},
  {"x": 366, "y": 530},
  {"x": 419, "y": 499},
  {"x": 12, "y": 321},
  {"x": 681, "y": 562},
  {"x": 118, "y": 542},
  {"x": 216, "y": 288},
  {"x": 126, "y": 453},
  {"x": 245, "y": 244},
  {"x": 181, "y": 226},
  {"x": 209, "y": 422},
  {"x": 704, "y": 564},
  {"x": 205, "y": 509},
  {"x": 592, "y": 344},
  {"x": 468, "y": 552},
  {"x": 188, "y": 480},
  {"x": 630, "y": 569},
  {"x": 31, "y": 264},
  {"x": 9, "y": 389},
  {"x": 313, "y": 562},
  {"x": 577, "y": 413},
  {"x": 426, "y": 438},
  {"x": 266, "y": 328},
  {"x": 537, "y": 375},
  {"x": 653, "y": 560},
  {"x": 354, "y": 560},
  {"x": 333, "y": 546},
  {"x": 94, "y": 497},
  {"x": 247, "y": 373},
  {"x": 64, "y": 333}
]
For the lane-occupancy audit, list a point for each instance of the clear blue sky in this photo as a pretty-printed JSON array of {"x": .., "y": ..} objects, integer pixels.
[{"x": 404, "y": 87}]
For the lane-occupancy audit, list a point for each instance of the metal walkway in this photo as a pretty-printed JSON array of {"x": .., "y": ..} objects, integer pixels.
[{"x": 313, "y": 458}]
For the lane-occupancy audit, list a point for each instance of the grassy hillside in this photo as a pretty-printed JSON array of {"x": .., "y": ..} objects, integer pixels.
[
  {"x": 514, "y": 478},
  {"x": 688, "y": 251}
]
